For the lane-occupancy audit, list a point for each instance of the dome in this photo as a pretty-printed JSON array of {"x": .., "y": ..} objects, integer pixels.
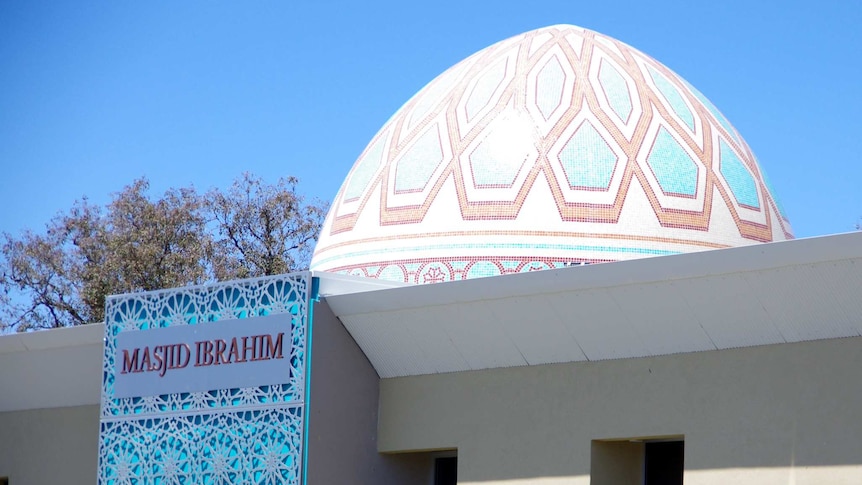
[{"x": 557, "y": 147}]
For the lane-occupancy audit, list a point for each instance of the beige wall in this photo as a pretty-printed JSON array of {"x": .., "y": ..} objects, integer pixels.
[
  {"x": 50, "y": 446},
  {"x": 779, "y": 414},
  {"x": 616, "y": 462},
  {"x": 60, "y": 445},
  {"x": 343, "y": 403}
]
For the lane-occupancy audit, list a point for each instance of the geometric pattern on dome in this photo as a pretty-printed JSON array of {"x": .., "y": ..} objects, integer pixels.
[
  {"x": 673, "y": 97},
  {"x": 537, "y": 42},
  {"x": 434, "y": 94},
  {"x": 484, "y": 92},
  {"x": 713, "y": 110},
  {"x": 616, "y": 90},
  {"x": 587, "y": 160},
  {"x": 556, "y": 147},
  {"x": 740, "y": 180},
  {"x": 595, "y": 184},
  {"x": 675, "y": 170},
  {"x": 768, "y": 185},
  {"x": 485, "y": 87},
  {"x": 413, "y": 171},
  {"x": 575, "y": 41},
  {"x": 365, "y": 170},
  {"x": 549, "y": 87},
  {"x": 497, "y": 161},
  {"x": 491, "y": 167},
  {"x": 609, "y": 45}
]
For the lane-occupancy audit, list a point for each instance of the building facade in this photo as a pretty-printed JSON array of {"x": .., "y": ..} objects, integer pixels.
[{"x": 694, "y": 354}]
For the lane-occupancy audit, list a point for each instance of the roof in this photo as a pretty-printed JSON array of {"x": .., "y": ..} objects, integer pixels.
[
  {"x": 51, "y": 368},
  {"x": 789, "y": 291}
]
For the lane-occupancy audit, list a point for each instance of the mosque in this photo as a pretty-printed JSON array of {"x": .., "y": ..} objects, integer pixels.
[{"x": 618, "y": 298}]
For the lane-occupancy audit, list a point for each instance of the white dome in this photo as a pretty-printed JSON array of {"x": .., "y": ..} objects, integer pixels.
[{"x": 556, "y": 147}]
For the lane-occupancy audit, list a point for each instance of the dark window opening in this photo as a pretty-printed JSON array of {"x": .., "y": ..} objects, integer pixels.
[
  {"x": 4, "y": 480},
  {"x": 663, "y": 462},
  {"x": 445, "y": 471}
]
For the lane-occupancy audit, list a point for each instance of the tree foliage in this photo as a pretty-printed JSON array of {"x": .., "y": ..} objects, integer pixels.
[
  {"x": 62, "y": 276},
  {"x": 262, "y": 229}
]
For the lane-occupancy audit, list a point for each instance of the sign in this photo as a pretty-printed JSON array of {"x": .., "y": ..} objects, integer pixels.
[{"x": 232, "y": 354}]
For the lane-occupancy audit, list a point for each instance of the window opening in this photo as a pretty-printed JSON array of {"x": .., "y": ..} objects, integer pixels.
[
  {"x": 664, "y": 462},
  {"x": 637, "y": 461},
  {"x": 445, "y": 470}
]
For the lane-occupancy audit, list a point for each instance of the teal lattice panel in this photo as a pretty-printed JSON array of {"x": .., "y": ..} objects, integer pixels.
[{"x": 228, "y": 435}]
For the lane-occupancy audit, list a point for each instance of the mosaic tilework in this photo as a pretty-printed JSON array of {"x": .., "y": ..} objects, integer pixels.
[
  {"x": 587, "y": 160},
  {"x": 559, "y": 145},
  {"x": 616, "y": 90},
  {"x": 675, "y": 170},
  {"x": 438, "y": 271},
  {"x": 243, "y": 435}
]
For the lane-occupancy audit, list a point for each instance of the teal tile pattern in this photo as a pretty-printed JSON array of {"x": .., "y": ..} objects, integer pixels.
[
  {"x": 365, "y": 170},
  {"x": 549, "y": 87},
  {"x": 485, "y": 88},
  {"x": 615, "y": 88},
  {"x": 738, "y": 178},
  {"x": 715, "y": 112},
  {"x": 673, "y": 97},
  {"x": 768, "y": 183},
  {"x": 414, "y": 168},
  {"x": 587, "y": 160},
  {"x": 672, "y": 166}
]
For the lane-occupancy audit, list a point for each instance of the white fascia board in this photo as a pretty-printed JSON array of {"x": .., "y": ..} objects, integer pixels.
[
  {"x": 90, "y": 334},
  {"x": 607, "y": 275},
  {"x": 332, "y": 284},
  {"x": 51, "y": 368}
]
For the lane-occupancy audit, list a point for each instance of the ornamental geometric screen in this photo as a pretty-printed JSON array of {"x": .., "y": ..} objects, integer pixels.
[{"x": 229, "y": 435}]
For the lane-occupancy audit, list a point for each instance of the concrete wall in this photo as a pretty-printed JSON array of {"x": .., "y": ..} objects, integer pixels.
[
  {"x": 60, "y": 445},
  {"x": 616, "y": 462},
  {"x": 50, "y": 446},
  {"x": 779, "y": 414},
  {"x": 343, "y": 405}
]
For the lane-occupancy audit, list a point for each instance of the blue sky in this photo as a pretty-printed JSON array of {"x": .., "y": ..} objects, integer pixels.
[{"x": 96, "y": 94}]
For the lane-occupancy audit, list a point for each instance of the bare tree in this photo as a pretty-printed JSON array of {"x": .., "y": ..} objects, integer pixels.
[
  {"x": 136, "y": 243},
  {"x": 155, "y": 244},
  {"x": 262, "y": 229},
  {"x": 38, "y": 290},
  {"x": 61, "y": 278}
]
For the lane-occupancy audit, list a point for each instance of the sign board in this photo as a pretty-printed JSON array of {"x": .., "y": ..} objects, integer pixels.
[{"x": 239, "y": 353}]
